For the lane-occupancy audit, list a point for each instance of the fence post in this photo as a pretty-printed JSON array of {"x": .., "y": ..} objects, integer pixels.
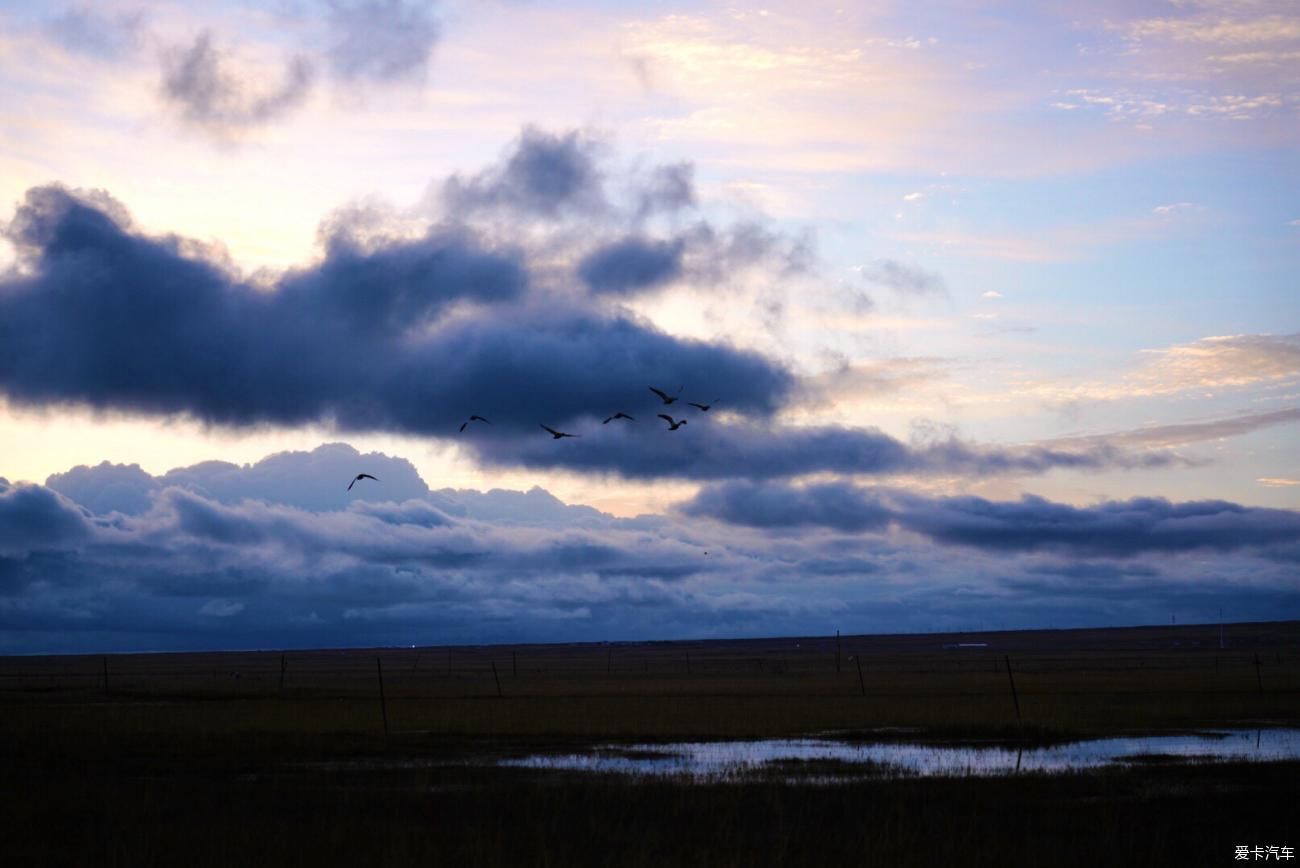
[
  {"x": 1014, "y": 697},
  {"x": 383, "y": 701},
  {"x": 282, "y": 672},
  {"x": 495, "y": 677}
]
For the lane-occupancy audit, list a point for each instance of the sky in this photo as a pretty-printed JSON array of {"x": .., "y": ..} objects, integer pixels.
[{"x": 994, "y": 308}]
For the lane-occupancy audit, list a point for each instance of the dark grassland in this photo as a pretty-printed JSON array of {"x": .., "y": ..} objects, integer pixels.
[{"x": 230, "y": 759}]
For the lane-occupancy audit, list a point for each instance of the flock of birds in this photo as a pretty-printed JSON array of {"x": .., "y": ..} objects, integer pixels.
[{"x": 668, "y": 400}]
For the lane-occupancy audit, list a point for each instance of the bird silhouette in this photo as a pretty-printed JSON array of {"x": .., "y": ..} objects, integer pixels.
[
  {"x": 473, "y": 419},
  {"x": 672, "y": 426},
  {"x": 359, "y": 477},
  {"x": 556, "y": 435},
  {"x": 664, "y": 396},
  {"x": 619, "y": 415},
  {"x": 704, "y": 407}
]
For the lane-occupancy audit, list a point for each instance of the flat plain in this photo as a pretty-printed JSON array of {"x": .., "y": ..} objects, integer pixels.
[{"x": 388, "y": 756}]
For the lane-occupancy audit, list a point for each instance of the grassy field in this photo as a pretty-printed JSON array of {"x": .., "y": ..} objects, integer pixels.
[{"x": 300, "y": 758}]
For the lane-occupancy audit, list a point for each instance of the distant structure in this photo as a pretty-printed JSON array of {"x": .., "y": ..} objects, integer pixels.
[{"x": 962, "y": 646}]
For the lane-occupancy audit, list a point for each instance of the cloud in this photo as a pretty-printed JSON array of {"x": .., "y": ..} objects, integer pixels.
[
  {"x": 881, "y": 377},
  {"x": 106, "y": 36},
  {"x": 545, "y": 174},
  {"x": 1211, "y": 363},
  {"x": 669, "y": 189},
  {"x": 252, "y": 571},
  {"x": 381, "y": 41},
  {"x": 1166, "y": 436},
  {"x": 106, "y": 487},
  {"x": 1228, "y": 360},
  {"x": 631, "y": 265},
  {"x": 992, "y": 293},
  {"x": 903, "y": 278},
  {"x": 717, "y": 449},
  {"x": 221, "y": 608},
  {"x": 1174, "y": 207},
  {"x": 1111, "y": 529},
  {"x": 33, "y": 518},
  {"x": 835, "y": 506},
  {"x": 108, "y": 317},
  {"x": 201, "y": 84}
]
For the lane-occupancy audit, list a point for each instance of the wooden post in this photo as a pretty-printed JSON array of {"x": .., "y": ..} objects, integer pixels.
[
  {"x": 1258, "y": 679},
  {"x": 496, "y": 678},
  {"x": 862, "y": 685},
  {"x": 609, "y": 660},
  {"x": 837, "y": 652},
  {"x": 688, "y": 662},
  {"x": 1014, "y": 697},
  {"x": 105, "y": 661},
  {"x": 514, "y": 665},
  {"x": 383, "y": 701},
  {"x": 282, "y": 672}
]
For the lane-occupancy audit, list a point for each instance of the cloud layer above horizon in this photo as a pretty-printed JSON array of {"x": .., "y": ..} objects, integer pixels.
[{"x": 279, "y": 553}]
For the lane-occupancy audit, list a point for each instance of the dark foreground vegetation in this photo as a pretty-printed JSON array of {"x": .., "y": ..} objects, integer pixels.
[{"x": 241, "y": 759}]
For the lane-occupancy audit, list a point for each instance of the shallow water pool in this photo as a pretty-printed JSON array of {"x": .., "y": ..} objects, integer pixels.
[{"x": 828, "y": 758}]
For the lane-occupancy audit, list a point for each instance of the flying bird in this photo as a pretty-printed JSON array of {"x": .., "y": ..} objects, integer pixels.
[
  {"x": 556, "y": 435},
  {"x": 473, "y": 419},
  {"x": 704, "y": 407},
  {"x": 361, "y": 476},
  {"x": 619, "y": 415},
  {"x": 664, "y": 396},
  {"x": 672, "y": 426}
]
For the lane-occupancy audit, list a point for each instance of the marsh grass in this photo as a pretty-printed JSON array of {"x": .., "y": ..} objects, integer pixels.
[{"x": 206, "y": 760}]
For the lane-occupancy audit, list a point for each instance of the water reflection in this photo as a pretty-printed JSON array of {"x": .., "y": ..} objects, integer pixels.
[{"x": 820, "y": 757}]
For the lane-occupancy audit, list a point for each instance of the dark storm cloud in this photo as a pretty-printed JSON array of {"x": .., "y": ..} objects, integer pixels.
[
  {"x": 1118, "y": 529},
  {"x": 1112, "y": 529},
  {"x": 365, "y": 340},
  {"x": 904, "y": 278},
  {"x": 630, "y": 265},
  {"x": 545, "y": 175},
  {"x": 710, "y": 448},
  {"x": 381, "y": 40},
  {"x": 836, "y": 506},
  {"x": 102, "y": 35},
  {"x": 199, "y": 82},
  {"x": 33, "y": 518},
  {"x": 247, "y": 571},
  {"x": 390, "y": 289}
]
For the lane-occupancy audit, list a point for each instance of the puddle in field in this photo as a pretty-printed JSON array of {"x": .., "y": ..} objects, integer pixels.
[{"x": 826, "y": 760}]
